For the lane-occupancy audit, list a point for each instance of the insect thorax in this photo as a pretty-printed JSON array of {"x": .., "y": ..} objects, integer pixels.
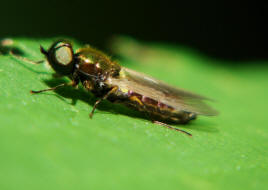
[{"x": 94, "y": 72}]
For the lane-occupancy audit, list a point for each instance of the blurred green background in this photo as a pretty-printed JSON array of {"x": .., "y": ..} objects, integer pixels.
[{"x": 47, "y": 141}]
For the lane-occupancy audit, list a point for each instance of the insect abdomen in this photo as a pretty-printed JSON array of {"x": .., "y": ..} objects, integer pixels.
[{"x": 156, "y": 109}]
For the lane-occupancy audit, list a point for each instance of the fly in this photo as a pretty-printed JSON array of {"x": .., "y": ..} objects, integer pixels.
[{"x": 106, "y": 79}]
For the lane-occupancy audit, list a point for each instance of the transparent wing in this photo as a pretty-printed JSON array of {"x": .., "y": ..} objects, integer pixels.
[{"x": 162, "y": 92}]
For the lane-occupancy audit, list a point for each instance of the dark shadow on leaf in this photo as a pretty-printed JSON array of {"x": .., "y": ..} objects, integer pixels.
[
  {"x": 81, "y": 94},
  {"x": 201, "y": 125},
  {"x": 5, "y": 50}
]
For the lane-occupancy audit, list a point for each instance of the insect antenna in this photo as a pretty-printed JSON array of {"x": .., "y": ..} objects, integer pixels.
[{"x": 43, "y": 51}]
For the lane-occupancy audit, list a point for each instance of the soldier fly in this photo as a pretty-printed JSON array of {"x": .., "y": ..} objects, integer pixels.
[{"x": 106, "y": 79}]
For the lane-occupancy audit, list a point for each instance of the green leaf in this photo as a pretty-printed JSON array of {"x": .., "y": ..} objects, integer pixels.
[{"x": 47, "y": 141}]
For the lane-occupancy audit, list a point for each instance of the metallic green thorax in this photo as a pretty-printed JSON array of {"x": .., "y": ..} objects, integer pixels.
[{"x": 97, "y": 63}]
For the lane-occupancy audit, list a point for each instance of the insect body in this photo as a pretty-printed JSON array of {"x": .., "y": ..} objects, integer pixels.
[{"x": 106, "y": 79}]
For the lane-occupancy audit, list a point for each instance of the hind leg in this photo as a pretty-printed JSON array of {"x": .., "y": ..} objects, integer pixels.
[{"x": 172, "y": 128}]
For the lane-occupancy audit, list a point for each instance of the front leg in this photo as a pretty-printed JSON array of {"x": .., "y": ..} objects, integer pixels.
[
  {"x": 72, "y": 83},
  {"x": 113, "y": 90}
]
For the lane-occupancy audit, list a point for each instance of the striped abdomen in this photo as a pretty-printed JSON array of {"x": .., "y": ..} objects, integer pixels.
[{"x": 156, "y": 109}]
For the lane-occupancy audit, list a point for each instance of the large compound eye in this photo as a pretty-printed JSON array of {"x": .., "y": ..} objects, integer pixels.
[
  {"x": 63, "y": 54},
  {"x": 61, "y": 57}
]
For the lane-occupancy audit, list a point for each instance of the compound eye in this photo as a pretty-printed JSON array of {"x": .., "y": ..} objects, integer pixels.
[{"x": 64, "y": 54}]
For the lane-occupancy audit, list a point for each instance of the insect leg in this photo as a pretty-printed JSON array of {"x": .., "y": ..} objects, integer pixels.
[
  {"x": 114, "y": 89},
  {"x": 73, "y": 83},
  {"x": 25, "y": 59},
  {"x": 136, "y": 99},
  {"x": 172, "y": 128}
]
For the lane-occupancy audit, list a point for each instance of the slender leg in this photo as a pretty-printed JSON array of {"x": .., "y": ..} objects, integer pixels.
[
  {"x": 103, "y": 98},
  {"x": 25, "y": 59},
  {"x": 54, "y": 88},
  {"x": 172, "y": 128},
  {"x": 136, "y": 99}
]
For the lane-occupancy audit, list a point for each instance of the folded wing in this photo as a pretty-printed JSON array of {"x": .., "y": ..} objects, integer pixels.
[{"x": 177, "y": 98}]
